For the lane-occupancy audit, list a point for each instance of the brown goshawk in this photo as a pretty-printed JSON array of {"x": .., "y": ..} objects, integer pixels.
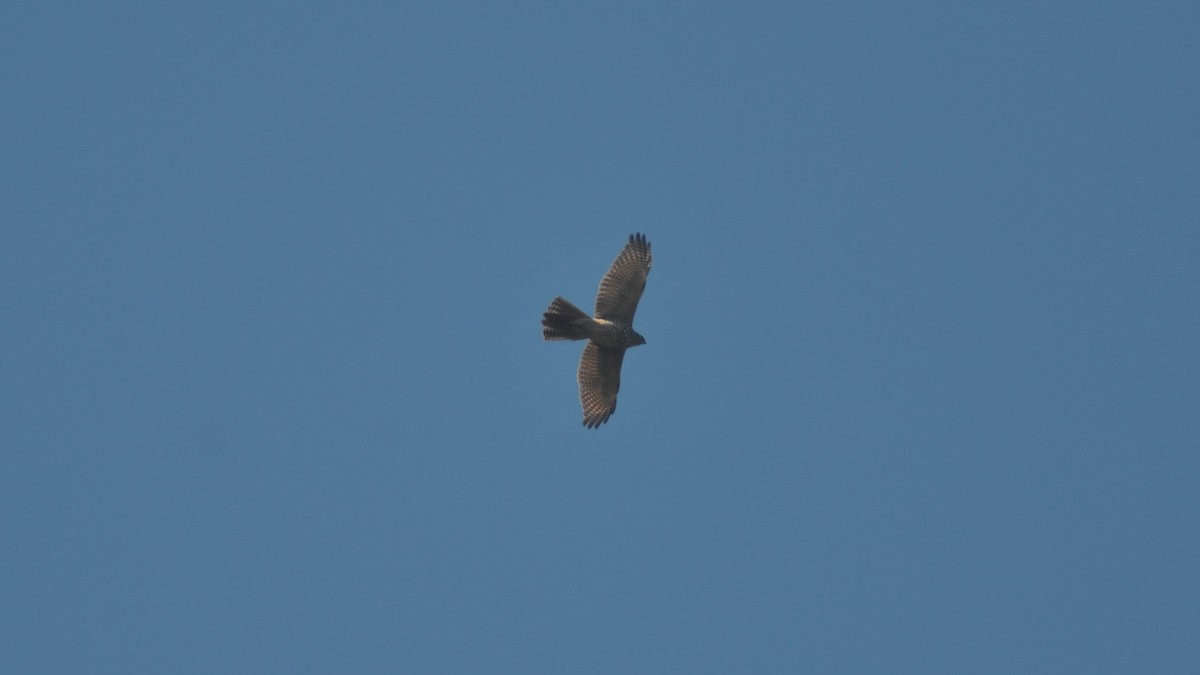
[{"x": 609, "y": 333}]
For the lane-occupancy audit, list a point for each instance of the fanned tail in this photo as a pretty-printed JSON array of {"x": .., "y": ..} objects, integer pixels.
[{"x": 562, "y": 321}]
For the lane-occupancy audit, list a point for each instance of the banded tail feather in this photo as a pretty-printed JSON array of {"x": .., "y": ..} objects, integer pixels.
[{"x": 564, "y": 321}]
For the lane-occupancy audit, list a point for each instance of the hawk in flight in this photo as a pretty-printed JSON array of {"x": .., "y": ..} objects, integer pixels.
[{"x": 609, "y": 333}]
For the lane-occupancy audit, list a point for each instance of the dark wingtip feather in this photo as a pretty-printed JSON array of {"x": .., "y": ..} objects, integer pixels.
[{"x": 594, "y": 420}]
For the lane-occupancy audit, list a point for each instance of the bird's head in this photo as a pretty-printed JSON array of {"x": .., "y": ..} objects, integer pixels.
[{"x": 637, "y": 338}]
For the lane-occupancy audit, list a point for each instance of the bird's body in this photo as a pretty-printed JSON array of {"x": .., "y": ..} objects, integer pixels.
[
  {"x": 609, "y": 333},
  {"x": 564, "y": 321}
]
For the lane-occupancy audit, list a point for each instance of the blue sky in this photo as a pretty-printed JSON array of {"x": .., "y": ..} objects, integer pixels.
[{"x": 920, "y": 390}]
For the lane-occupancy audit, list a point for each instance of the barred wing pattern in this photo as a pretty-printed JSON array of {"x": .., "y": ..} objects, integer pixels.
[
  {"x": 599, "y": 380},
  {"x": 621, "y": 288}
]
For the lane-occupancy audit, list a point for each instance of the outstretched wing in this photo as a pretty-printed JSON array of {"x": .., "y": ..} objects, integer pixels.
[
  {"x": 622, "y": 286},
  {"x": 599, "y": 380}
]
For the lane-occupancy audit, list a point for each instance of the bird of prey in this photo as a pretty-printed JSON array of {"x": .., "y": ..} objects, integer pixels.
[{"x": 609, "y": 333}]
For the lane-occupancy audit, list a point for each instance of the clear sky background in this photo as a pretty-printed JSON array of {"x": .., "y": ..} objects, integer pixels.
[{"x": 920, "y": 393}]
